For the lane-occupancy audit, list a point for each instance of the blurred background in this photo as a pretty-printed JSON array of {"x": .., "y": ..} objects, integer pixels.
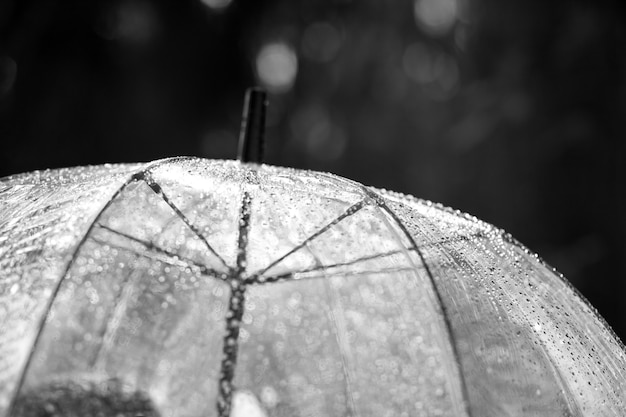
[{"x": 512, "y": 111}]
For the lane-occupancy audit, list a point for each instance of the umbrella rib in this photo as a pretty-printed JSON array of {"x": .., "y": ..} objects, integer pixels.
[
  {"x": 158, "y": 190},
  {"x": 151, "y": 246},
  {"x": 292, "y": 275},
  {"x": 234, "y": 314},
  {"x": 349, "y": 212},
  {"x": 320, "y": 267},
  {"x": 446, "y": 317},
  {"x": 169, "y": 260},
  {"x": 133, "y": 178},
  {"x": 244, "y": 229},
  {"x": 286, "y": 275}
]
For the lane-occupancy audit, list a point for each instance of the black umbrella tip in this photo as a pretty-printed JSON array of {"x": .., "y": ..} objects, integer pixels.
[{"x": 251, "y": 137}]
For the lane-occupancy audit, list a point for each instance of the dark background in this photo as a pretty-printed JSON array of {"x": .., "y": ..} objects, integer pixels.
[{"x": 513, "y": 111}]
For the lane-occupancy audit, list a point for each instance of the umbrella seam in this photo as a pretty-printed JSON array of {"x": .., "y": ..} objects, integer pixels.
[
  {"x": 342, "y": 349},
  {"x": 42, "y": 322},
  {"x": 107, "y": 331}
]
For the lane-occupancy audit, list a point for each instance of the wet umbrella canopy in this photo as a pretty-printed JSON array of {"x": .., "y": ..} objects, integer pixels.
[{"x": 216, "y": 288}]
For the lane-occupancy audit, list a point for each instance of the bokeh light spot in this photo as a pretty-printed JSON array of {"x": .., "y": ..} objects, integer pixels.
[
  {"x": 217, "y": 4},
  {"x": 269, "y": 397},
  {"x": 321, "y": 42},
  {"x": 417, "y": 63},
  {"x": 132, "y": 22},
  {"x": 316, "y": 132},
  {"x": 433, "y": 69},
  {"x": 245, "y": 404},
  {"x": 8, "y": 73},
  {"x": 277, "y": 66},
  {"x": 446, "y": 71},
  {"x": 435, "y": 17}
]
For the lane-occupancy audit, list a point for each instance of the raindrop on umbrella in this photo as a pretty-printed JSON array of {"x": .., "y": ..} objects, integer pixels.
[{"x": 229, "y": 288}]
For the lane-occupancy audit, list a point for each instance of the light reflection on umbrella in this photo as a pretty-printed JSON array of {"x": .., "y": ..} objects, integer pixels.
[{"x": 223, "y": 288}]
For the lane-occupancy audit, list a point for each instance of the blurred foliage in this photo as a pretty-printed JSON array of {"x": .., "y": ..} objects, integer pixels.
[{"x": 512, "y": 111}]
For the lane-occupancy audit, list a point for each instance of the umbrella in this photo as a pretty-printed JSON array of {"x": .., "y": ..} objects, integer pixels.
[{"x": 214, "y": 288}]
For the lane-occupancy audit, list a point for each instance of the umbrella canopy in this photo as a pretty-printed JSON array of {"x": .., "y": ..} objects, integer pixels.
[{"x": 216, "y": 288}]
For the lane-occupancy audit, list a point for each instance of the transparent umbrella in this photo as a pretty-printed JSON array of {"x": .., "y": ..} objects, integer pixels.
[{"x": 194, "y": 287}]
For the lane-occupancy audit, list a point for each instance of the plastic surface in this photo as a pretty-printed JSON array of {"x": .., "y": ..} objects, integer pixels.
[{"x": 193, "y": 287}]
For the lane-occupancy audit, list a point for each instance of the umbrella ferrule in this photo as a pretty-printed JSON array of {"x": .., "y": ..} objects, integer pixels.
[{"x": 251, "y": 137}]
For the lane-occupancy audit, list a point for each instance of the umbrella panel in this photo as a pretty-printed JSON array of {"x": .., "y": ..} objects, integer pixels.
[
  {"x": 343, "y": 346},
  {"x": 40, "y": 228},
  {"x": 208, "y": 201},
  {"x": 520, "y": 329},
  {"x": 161, "y": 227},
  {"x": 505, "y": 368},
  {"x": 342, "y": 340},
  {"x": 133, "y": 310},
  {"x": 588, "y": 353}
]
